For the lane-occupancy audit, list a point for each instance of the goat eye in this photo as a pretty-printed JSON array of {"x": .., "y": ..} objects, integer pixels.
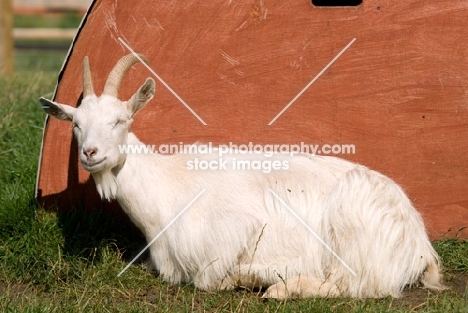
[
  {"x": 75, "y": 126},
  {"x": 119, "y": 122}
]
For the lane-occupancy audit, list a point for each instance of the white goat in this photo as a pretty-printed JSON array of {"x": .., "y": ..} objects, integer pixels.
[{"x": 241, "y": 232}]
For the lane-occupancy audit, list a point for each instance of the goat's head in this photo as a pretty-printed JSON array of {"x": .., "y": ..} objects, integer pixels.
[{"x": 101, "y": 124}]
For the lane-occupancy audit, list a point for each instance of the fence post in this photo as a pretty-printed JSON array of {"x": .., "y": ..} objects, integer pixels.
[{"x": 6, "y": 38}]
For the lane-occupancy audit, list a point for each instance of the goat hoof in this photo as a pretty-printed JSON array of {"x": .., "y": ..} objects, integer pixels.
[{"x": 277, "y": 291}]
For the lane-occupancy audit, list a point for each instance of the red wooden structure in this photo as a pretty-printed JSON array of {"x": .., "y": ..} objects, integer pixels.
[{"x": 398, "y": 93}]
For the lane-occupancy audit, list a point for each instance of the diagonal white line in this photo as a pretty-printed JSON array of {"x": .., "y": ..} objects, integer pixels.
[
  {"x": 312, "y": 81},
  {"x": 161, "y": 232},
  {"x": 313, "y": 233},
  {"x": 162, "y": 81}
]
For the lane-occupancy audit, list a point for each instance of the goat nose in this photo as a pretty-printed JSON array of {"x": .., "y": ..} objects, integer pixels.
[{"x": 90, "y": 152}]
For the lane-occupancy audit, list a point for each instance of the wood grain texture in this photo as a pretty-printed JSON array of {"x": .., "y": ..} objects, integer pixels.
[{"x": 399, "y": 93}]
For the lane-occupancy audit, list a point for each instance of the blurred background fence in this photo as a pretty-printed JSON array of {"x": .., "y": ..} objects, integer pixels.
[{"x": 41, "y": 31}]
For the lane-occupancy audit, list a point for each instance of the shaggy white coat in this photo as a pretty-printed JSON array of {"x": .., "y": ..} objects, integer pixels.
[{"x": 238, "y": 233}]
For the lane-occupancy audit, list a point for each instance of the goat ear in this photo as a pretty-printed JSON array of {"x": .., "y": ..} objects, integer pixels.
[
  {"x": 144, "y": 94},
  {"x": 57, "y": 110}
]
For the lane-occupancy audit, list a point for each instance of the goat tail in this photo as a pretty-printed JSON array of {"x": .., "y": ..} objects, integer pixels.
[{"x": 431, "y": 278}]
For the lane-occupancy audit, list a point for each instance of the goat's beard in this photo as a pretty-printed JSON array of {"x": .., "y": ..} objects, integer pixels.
[{"x": 106, "y": 184}]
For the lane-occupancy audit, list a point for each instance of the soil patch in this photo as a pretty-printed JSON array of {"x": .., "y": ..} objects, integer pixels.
[{"x": 417, "y": 296}]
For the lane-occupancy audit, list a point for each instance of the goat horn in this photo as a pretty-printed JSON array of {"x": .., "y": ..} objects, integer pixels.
[
  {"x": 88, "y": 88},
  {"x": 115, "y": 78}
]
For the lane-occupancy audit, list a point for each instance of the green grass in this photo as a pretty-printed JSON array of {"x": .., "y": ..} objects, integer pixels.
[
  {"x": 51, "y": 262},
  {"x": 33, "y": 61},
  {"x": 67, "y": 20}
]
